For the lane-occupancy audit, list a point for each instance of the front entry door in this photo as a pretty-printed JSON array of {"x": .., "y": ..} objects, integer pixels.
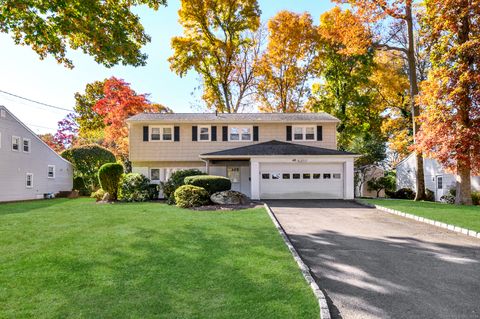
[
  {"x": 233, "y": 173},
  {"x": 439, "y": 189}
]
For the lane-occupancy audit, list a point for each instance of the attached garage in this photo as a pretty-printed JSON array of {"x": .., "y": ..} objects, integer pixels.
[{"x": 301, "y": 181}]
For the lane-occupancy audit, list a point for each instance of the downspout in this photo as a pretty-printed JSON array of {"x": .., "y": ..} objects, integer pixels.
[{"x": 206, "y": 165}]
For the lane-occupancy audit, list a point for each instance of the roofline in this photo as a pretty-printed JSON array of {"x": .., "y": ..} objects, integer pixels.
[
  {"x": 276, "y": 156},
  {"x": 169, "y": 121},
  {"x": 34, "y": 134},
  {"x": 405, "y": 159}
]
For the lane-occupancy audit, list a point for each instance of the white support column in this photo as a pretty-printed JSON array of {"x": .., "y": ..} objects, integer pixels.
[
  {"x": 254, "y": 179},
  {"x": 349, "y": 179}
]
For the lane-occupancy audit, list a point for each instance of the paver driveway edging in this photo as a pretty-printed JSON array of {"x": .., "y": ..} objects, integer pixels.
[
  {"x": 322, "y": 301},
  {"x": 453, "y": 228}
]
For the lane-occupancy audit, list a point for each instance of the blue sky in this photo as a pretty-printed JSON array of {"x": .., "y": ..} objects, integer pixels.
[{"x": 22, "y": 73}]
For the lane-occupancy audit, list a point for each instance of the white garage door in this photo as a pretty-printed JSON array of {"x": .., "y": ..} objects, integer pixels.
[{"x": 301, "y": 181}]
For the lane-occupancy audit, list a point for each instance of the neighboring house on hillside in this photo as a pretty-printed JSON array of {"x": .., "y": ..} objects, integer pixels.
[
  {"x": 29, "y": 168},
  {"x": 265, "y": 155},
  {"x": 363, "y": 176},
  {"x": 436, "y": 179}
]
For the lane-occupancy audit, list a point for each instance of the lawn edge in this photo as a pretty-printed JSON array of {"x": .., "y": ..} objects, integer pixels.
[
  {"x": 424, "y": 220},
  {"x": 322, "y": 301}
]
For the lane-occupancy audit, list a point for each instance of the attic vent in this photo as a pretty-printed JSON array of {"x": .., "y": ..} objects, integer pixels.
[{"x": 2, "y": 113}]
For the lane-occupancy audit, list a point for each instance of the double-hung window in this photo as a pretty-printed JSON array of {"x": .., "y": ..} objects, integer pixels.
[
  {"x": 161, "y": 133},
  {"x": 15, "y": 143},
  {"x": 304, "y": 133},
  {"x": 155, "y": 174},
  {"x": 240, "y": 133},
  {"x": 26, "y": 145},
  {"x": 204, "y": 133},
  {"x": 29, "y": 180},
  {"x": 51, "y": 171}
]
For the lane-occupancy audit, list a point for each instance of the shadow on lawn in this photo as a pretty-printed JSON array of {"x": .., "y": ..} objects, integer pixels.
[
  {"x": 21, "y": 207},
  {"x": 166, "y": 274},
  {"x": 394, "y": 277}
]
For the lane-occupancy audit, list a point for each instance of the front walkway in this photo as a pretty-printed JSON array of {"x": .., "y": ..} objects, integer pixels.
[{"x": 375, "y": 265}]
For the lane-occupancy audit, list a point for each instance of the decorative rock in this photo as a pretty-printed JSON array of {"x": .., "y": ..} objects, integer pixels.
[
  {"x": 229, "y": 198},
  {"x": 106, "y": 198}
]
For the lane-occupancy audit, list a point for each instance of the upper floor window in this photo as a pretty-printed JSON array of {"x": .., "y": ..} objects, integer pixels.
[
  {"x": 15, "y": 143},
  {"x": 304, "y": 133},
  {"x": 51, "y": 171},
  {"x": 2, "y": 113},
  {"x": 204, "y": 133},
  {"x": 0, "y": 139},
  {"x": 29, "y": 180},
  {"x": 26, "y": 145},
  {"x": 161, "y": 133},
  {"x": 240, "y": 133}
]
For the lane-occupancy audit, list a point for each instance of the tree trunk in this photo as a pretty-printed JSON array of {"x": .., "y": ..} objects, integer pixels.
[
  {"x": 412, "y": 70},
  {"x": 464, "y": 187}
]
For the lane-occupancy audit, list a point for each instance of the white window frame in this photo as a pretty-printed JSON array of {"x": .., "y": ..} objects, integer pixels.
[
  {"x": 0, "y": 139},
  {"x": 240, "y": 127},
  {"x": 304, "y": 132},
  {"x": 29, "y": 145},
  {"x": 150, "y": 174},
  {"x": 31, "y": 180},
  {"x": 3, "y": 113},
  {"x": 19, "y": 140},
  {"x": 53, "y": 171},
  {"x": 209, "y": 128},
  {"x": 161, "y": 127}
]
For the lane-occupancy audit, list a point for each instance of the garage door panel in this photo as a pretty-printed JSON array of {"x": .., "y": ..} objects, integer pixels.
[{"x": 301, "y": 181}]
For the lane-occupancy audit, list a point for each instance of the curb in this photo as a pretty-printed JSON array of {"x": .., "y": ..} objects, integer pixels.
[
  {"x": 453, "y": 228},
  {"x": 322, "y": 301}
]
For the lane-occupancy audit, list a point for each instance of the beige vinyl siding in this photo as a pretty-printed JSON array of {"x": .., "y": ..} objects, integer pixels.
[{"x": 187, "y": 150}]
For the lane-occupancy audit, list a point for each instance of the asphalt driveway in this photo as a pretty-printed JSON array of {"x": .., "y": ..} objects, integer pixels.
[{"x": 372, "y": 264}]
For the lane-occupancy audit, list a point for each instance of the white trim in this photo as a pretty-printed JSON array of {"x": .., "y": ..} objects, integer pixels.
[
  {"x": 29, "y": 145},
  {"x": 160, "y": 127},
  {"x": 18, "y": 143},
  {"x": 48, "y": 171},
  {"x": 304, "y": 133},
  {"x": 2, "y": 113},
  {"x": 31, "y": 180},
  {"x": 240, "y": 127},
  {"x": 0, "y": 140},
  {"x": 199, "y": 129},
  {"x": 150, "y": 174}
]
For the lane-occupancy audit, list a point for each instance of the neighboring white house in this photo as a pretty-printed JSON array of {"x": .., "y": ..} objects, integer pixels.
[
  {"x": 29, "y": 168},
  {"x": 436, "y": 179}
]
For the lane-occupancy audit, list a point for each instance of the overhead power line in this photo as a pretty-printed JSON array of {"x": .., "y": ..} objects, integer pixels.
[{"x": 37, "y": 102}]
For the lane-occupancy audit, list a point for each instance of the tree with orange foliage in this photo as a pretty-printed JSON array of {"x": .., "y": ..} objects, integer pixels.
[
  {"x": 119, "y": 103},
  {"x": 285, "y": 68},
  {"x": 380, "y": 13},
  {"x": 450, "y": 98}
]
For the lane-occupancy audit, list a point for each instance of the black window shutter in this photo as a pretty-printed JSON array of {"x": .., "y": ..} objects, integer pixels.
[
  {"x": 319, "y": 133},
  {"x": 255, "y": 133},
  {"x": 145, "y": 133},
  {"x": 225, "y": 133},
  {"x": 289, "y": 133},
  {"x": 176, "y": 133},
  {"x": 214, "y": 133},
  {"x": 194, "y": 133}
]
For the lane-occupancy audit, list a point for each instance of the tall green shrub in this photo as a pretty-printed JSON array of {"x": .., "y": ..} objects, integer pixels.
[
  {"x": 211, "y": 183},
  {"x": 109, "y": 176},
  {"x": 175, "y": 181},
  {"x": 134, "y": 188},
  {"x": 86, "y": 161}
]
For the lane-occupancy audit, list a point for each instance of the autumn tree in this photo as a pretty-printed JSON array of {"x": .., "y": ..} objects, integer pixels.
[
  {"x": 450, "y": 98},
  {"x": 216, "y": 36},
  {"x": 91, "y": 124},
  {"x": 382, "y": 15},
  {"x": 287, "y": 65},
  {"x": 107, "y": 30},
  {"x": 50, "y": 140},
  {"x": 67, "y": 132},
  {"x": 119, "y": 103}
]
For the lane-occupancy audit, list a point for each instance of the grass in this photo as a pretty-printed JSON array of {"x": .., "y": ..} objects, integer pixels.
[
  {"x": 462, "y": 216},
  {"x": 76, "y": 259}
]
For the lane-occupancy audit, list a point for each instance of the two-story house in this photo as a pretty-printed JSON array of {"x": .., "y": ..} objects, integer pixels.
[
  {"x": 29, "y": 168},
  {"x": 265, "y": 155}
]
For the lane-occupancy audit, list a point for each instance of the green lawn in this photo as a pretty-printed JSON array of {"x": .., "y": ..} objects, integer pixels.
[
  {"x": 76, "y": 259},
  {"x": 462, "y": 216}
]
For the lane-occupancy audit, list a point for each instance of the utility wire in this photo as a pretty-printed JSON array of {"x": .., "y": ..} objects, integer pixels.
[{"x": 33, "y": 101}]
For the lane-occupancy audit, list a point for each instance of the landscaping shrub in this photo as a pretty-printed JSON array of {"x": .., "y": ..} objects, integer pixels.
[
  {"x": 429, "y": 195},
  {"x": 405, "y": 193},
  {"x": 109, "y": 176},
  {"x": 476, "y": 198},
  {"x": 175, "y": 181},
  {"x": 153, "y": 190},
  {"x": 449, "y": 198},
  {"x": 134, "y": 187},
  {"x": 79, "y": 185},
  {"x": 98, "y": 195},
  {"x": 191, "y": 196},
  {"x": 211, "y": 183},
  {"x": 86, "y": 161}
]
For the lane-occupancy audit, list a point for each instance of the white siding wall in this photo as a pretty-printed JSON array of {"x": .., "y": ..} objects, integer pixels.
[{"x": 15, "y": 165}]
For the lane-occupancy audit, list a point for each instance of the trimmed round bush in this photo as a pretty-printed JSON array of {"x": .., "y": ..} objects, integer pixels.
[
  {"x": 175, "y": 181},
  {"x": 134, "y": 187},
  {"x": 109, "y": 177},
  {"x": 212, "y": 183},
  {"x": 191, "y": 196}
]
